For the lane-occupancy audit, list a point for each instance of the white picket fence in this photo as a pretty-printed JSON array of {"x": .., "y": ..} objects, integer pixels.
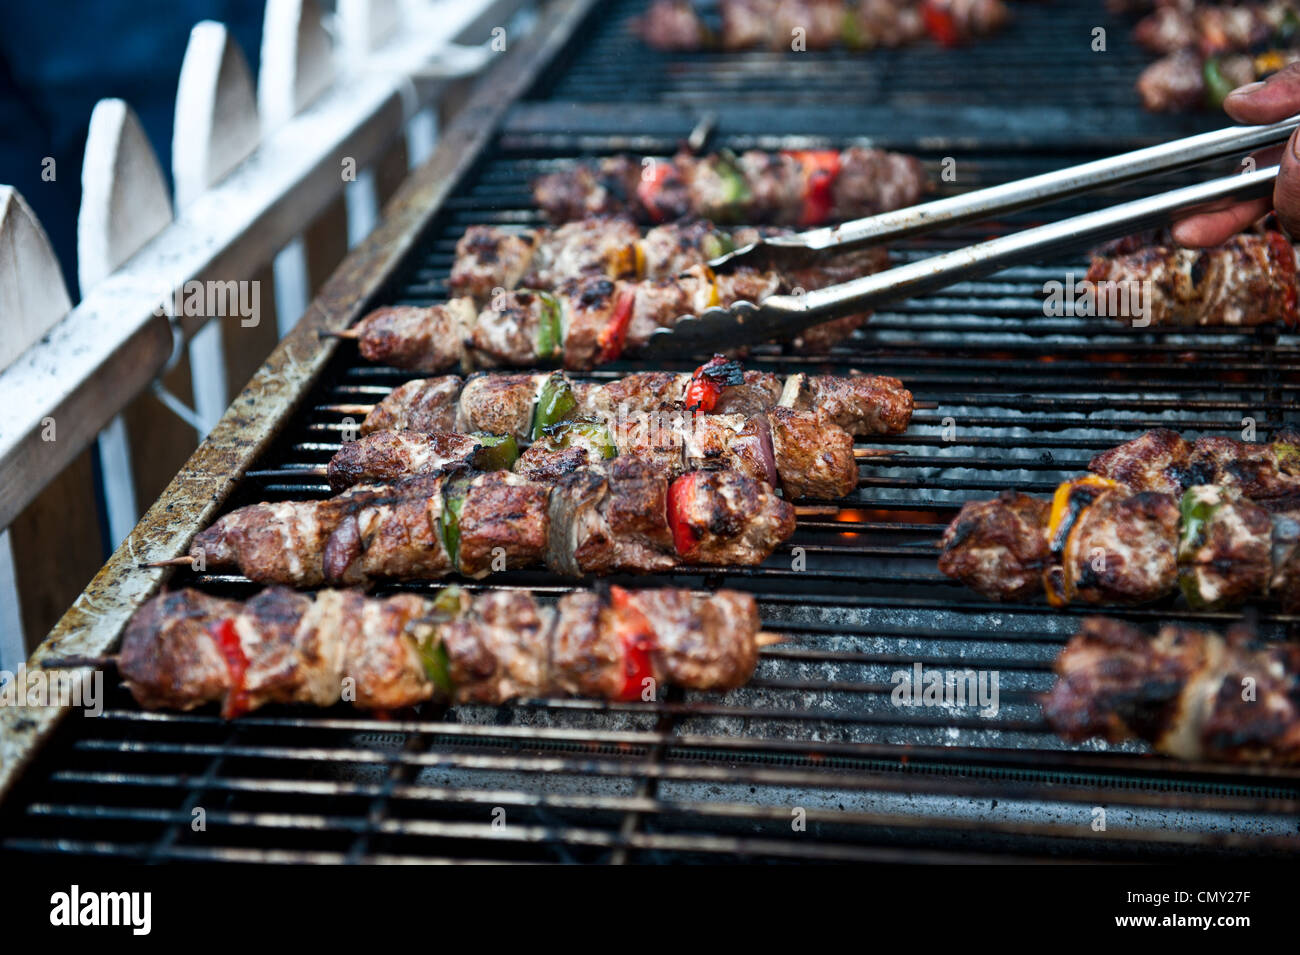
[{"x": 252, "y": 164}]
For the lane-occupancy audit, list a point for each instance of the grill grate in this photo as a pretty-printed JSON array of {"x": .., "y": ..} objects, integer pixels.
[
  {"x": 1045, "y": 56},
  {"x": 815, "y": 735},
  {"x": 810, "y": 761}
]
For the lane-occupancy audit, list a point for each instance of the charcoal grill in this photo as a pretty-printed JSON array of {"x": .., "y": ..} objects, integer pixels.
[{"x": 810, "y": 761}]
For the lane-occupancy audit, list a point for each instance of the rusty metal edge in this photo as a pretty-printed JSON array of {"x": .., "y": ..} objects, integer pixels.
[{"x": 92, "y": 626}]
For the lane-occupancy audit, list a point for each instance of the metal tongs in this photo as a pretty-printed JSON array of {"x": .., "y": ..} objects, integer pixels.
[{"x": 783, "y": 316}]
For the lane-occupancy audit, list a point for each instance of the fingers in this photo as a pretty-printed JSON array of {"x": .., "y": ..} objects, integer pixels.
[
  {"x": 1269, "y": 101},
  {"x": 1211, "y": 228},
  {"x": 1286, "y": 191}
]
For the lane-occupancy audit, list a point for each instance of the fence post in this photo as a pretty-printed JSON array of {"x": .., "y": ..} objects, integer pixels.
[
  {"x": 215, "y": 129},
  {"x": 33, "y": 297}
]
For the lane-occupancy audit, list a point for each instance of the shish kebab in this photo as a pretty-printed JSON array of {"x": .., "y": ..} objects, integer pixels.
[
  {"x": 718, "y": 417},
  {"x": 609, "y": 291},
  {"x": 1218, "y": 519},
  {"x": 1251, "y": 279},
  {"x": 823, "y": 24},
  {"x": 621, "y": 517},
  {"x": 1182, "y": 692},
  {"x": 803, "y": 187},
  {"x": 184, "y": 649}
]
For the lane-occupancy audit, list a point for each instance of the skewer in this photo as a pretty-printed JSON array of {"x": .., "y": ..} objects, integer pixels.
[
  {"x": 76, "y": 663},
  {"x": 185, "y": 561},
  {"x": 861, "y": 453},
  {"x": 349, "y": 333},
  {"x": 817, "y": 510},
  {"x": 765, "y": 638}
]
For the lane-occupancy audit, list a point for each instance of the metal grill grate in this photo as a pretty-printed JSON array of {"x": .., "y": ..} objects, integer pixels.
[
  {"x": 814, "y": 736},
  {"x": 1045, "y": 56}
]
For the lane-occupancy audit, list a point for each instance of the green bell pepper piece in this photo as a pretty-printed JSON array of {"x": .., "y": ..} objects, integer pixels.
[
  {"x": 453, "y": 499},
  {"x": 1217, "y": 86},
  {"x": 561, "y": 436},
  {"x": 550, "y": 331},
  {"x": 554, "y": 404},
  {"x": 497, "y": 452}
]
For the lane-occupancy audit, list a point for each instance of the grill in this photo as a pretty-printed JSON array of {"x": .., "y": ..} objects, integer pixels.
[{"x": 812, "y": 760}]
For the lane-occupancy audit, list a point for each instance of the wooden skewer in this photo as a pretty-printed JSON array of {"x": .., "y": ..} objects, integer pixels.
[
  {"x": 862, "y": 453},
  {"x": 766, "y": 638},
  {"x": 349, "y": 409},
  {"x": 76, "y": 663},
  {"x": 169, "y": 562},
  {"x": 348, "y": 333},
  {"x": 925, "y": 405},
  {"x": 816, "y": 510}
]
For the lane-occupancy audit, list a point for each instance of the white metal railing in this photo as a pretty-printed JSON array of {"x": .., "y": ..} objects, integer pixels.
[{"x": 252, "y": 164}]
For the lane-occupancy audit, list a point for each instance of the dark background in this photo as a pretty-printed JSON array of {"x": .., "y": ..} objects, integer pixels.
[{"x": 59, "y": 57}]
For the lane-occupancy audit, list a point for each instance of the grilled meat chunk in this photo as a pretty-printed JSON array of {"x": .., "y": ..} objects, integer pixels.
[
  {"x": 1226, "y": 556},
  {"x": 425, "y": 404},
  {"x": 860, "y": 404},
  {"x": 499, "y": 404},
  {"x": 720, "y": 517},
  {"x": 1123, "y": 548},
  {"x": 998, "y": 548},
  {"x": 389, "y": 455},
  {"x": 814, "y": 458},
  {"x": 409, "y": 337}
]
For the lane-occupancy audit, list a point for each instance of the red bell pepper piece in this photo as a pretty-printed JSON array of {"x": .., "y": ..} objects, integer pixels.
[
  {"x": 227, "y": 640},
  {"x": 939, "y": 23},
  {"x": 705, "y": 387},
  {"x": 614, "y": 335},
  {"x": 681, "y": 494},
  {"x": 821, "y": 167},
  {"x": 648, "y": 189},
  {"x": 638, "y": 641}
]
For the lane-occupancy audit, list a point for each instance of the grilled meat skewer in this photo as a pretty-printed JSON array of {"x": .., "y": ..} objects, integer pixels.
[
  {"x": 1162, "y": 460},
  {"x": 523, "y": 405},
  {"x": 1100, "y": 542},
  {"x": 1188, "y": 80},
  {"x": 1248, "y": 280},
  {"x": 1158, "y": 510},
  {"x": 793, "y": 188},
  {"x": 492, "y": 259},
  {"x": 802, "y": 452},
  {"x": 822, "y": 24},
  {"x": 185, "y": 649},
  {"x": 1183, "y": 692},
  {"x": 622, "y": 517},
  {"x": 1217, "y": 28},
  {"x": 584, "y": 322}
]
